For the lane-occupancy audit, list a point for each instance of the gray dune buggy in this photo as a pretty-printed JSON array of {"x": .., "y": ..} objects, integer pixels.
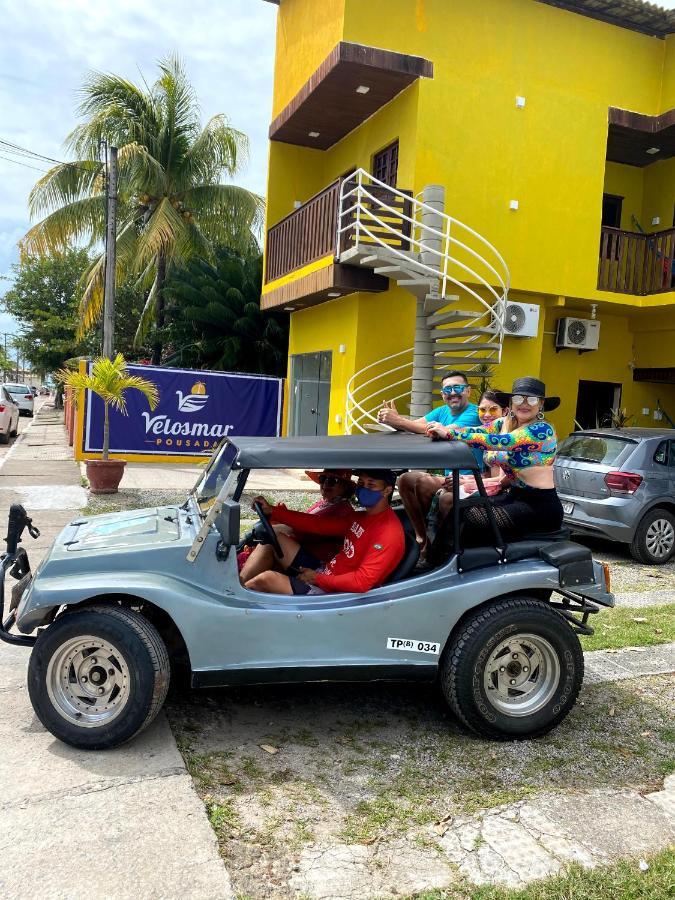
[{"x": 120, "y": 597}]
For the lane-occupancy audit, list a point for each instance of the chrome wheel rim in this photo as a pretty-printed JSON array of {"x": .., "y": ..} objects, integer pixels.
[
  {"x": 660, "y": 538},
  {"x": 521, "y": 675},
  {"x": 88, "y": 681}
]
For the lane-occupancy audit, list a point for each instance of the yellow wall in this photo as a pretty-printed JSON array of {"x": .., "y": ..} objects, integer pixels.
[
  {"x": 659, "y": 194},
  {"x": 627, "y": 182},
  {"x": 307, "y": 31}
]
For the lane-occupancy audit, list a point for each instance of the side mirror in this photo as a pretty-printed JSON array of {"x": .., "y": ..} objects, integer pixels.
[{"x": 227, "y": 523}]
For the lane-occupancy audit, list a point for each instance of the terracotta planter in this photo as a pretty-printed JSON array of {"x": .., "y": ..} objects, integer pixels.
[{"x": 105, "y": 475}]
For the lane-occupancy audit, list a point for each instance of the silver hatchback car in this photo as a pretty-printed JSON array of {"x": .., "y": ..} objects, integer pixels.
[{"x": 620, "y": 484}]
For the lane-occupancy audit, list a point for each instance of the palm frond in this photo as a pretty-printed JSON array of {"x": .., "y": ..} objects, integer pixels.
[
  {"x": 110, "y": 380},
  {"x": 82, "y": 221},
  {"x": 63, "y": 184},
  {"x": 92, "y": 281},
  {"x": 139, "y": 171},
  {"x": 228, "y": 214},
  {"x": 218, "y": 149}
]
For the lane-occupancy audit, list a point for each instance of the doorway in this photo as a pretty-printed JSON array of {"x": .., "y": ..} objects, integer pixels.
[
  {"x": 595, "y": 402},
  {"x": 310, "y": 393}
]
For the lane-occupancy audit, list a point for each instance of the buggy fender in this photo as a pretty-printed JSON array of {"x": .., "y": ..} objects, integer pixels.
[{"x": 190, "y": 606}]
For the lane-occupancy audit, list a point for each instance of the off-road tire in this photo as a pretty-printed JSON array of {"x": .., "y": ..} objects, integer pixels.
[
  {"x": 144, "y": 656},
  {"x": 468, "y": 653},
  {"x": 639, "y": 549}
]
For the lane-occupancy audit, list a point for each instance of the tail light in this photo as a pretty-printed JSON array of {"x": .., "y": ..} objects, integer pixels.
[
  {"x": 2, "y": 408},
  {"x": 28, "y": 397},
  {"x": 623, "y": 482}
]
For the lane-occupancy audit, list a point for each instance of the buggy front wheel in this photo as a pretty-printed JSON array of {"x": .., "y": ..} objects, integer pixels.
[
  {"x": 98, "y": 676},
  {"x": 513, "y": 669}
]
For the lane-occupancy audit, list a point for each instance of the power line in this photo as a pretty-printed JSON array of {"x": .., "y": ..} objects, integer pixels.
[
  {"x": 19, "y": 163},
  {"x": 11, "y": 147}
]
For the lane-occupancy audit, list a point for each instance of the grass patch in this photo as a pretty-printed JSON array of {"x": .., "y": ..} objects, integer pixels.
[
  {"x": 623, "y": 880},
  {"x": 616, "y": 628},
  {"x": 224, "y": 818}
]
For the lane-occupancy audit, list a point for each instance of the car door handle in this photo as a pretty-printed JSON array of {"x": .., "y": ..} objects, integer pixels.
[{"x": 313, "y": 411}]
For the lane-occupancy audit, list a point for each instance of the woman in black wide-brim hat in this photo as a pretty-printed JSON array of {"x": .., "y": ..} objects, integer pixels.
[{"x": 523, "y": 445}]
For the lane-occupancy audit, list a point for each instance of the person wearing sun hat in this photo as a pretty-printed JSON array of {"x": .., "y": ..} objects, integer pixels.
[
  {"x": 306, "y": 548},
  {"x": 523, "y": 444}
]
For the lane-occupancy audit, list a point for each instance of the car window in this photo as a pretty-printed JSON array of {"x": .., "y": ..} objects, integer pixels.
[
  {"x": 605, "y": 449},
  {"x": 671, "y": 454},
  {"x": 6, "y": 396},
  {"x": 661, "y": 454},
  {"x": 16, "y": 388}
]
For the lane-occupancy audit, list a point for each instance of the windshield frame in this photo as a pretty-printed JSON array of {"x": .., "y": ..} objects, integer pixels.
[{"x": 215, "y": 476}]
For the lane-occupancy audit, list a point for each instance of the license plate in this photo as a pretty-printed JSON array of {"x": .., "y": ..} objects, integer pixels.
[{"x": 568, "y": 507}]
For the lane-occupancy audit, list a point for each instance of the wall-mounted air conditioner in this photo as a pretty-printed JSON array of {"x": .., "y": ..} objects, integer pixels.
[
  {"x": 521, "y": 319},
  {"x": 577, "y": 334}
]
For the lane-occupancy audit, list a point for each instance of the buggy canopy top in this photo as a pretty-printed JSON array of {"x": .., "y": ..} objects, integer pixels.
[{"x": 393, "y": 450}]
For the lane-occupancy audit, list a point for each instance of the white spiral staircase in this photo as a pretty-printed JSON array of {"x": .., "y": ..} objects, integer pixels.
[{"x": 459, "y": 279}]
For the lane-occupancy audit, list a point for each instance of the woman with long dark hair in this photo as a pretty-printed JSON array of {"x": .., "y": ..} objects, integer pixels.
[{"x": 523, "y": 445}]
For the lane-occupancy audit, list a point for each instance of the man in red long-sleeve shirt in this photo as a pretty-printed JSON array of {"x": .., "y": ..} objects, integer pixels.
[{"x": 373, "y": 543}]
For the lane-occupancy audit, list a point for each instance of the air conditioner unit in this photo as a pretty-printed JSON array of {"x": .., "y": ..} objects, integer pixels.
[
  {"x": 521, "y": 319},
  {"x": 577, "y": 334}
]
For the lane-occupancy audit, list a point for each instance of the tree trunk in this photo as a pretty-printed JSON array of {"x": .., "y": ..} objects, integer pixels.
[
  {"x": 106, "y": 431},
  {"x": 159, "y": 322}
]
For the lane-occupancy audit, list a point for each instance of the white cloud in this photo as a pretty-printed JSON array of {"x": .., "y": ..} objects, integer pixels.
[{"x": 49, "y": 45}]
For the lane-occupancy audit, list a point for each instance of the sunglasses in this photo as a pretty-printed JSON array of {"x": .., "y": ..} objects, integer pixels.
[
  {"x": 454, "y": 389},
  {"x": 519, "y": 399},
  {"x": 329, "y": 480},
  {"x": 489, "y": 410}
]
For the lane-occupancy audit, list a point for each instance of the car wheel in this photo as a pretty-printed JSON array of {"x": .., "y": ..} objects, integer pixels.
[
  {"x": 513, "y": 669},
  {"x": 654, "y": 541},
  {"x": 98, "y": 676},
  {"x": 4, "y": 438}
]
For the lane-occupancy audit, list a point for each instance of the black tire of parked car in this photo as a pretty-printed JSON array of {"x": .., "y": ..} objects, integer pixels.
[
  {"x": 144, "y": 655},
  {"x": 4, "y": 438},
  {"x": 639, "y": 549},
  {"x": 468, "y": 653}
]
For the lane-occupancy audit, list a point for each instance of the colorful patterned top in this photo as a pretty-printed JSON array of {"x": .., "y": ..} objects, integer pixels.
[{"x": 522, "y": 448}]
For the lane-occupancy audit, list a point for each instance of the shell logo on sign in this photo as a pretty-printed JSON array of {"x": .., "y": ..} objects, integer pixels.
[{"x": 195, "y": 400}]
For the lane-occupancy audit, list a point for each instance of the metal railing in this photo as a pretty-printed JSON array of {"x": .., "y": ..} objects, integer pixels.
[{"x": 429, "y": 245}]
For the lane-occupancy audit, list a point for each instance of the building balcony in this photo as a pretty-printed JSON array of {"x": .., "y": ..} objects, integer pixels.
[
  {"x": 636, "y": 263},
  {"x": 309, "y": 235}
]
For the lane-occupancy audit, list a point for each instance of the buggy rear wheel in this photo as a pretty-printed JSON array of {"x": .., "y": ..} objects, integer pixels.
[
  {"x": 513, "y": 669},
  {"x": 98, "y": 676}
]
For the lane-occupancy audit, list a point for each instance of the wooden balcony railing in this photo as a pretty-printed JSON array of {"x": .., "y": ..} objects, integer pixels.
[
  {"x": 636, "y": 263},
  {"x": 306, "y": 234},
  {"x": 310, "y": 232}
]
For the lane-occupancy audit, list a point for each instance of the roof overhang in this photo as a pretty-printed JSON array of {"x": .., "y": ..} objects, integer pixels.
[
  {"x": 647, "y": 18},
  {"x": 632, "y": 135},
  {"x": 351, "y": 84}
]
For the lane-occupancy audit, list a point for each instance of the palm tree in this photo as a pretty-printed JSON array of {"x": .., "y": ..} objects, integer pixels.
[
  {"x": 172, "y": 204},
  {"x": 110, "y": 380},
  {"x": 215, "y": 320}
]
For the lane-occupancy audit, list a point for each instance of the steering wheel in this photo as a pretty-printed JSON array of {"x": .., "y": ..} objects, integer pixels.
[{"x": 270, "y": 533}]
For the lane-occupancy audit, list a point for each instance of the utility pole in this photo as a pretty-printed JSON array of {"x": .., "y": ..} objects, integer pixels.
[{"x": 110, "y": 236}]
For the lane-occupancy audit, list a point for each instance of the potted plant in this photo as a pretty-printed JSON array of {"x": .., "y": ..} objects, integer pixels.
[{"x": 110, "y": 380}]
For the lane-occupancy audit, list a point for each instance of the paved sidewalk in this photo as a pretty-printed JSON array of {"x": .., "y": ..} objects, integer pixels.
[{"x": 124, "y": 824}]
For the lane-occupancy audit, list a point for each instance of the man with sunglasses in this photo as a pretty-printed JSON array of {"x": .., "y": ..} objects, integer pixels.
[{"x": 417, "y": 489}]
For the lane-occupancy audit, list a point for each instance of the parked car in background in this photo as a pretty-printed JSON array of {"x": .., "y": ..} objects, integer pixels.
[
  {"x": 9, "y": 416},
  {"x": 619, "y": 483},
  {"x": 22, "y": 395}
]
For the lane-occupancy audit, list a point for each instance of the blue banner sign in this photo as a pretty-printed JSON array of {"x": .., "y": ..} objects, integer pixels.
[{"x": 196, "y": 410}]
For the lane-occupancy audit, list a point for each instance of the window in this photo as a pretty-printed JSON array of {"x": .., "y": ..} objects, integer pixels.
[
  {"x": 594, "y": 448},
  {"x": 661, "y": 454},
  {"x": 385, "y": 164},
  {"x": 611, "y": 210}
]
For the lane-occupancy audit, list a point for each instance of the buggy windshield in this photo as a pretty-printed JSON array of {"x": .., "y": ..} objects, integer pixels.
[{"x": 216, "y": 474}]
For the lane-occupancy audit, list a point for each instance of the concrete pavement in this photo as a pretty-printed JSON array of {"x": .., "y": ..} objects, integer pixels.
[{"x": 126, "y": 823}]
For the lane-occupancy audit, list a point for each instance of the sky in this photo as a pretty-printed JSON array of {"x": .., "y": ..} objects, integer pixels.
[{"x": 47, "y": 46}]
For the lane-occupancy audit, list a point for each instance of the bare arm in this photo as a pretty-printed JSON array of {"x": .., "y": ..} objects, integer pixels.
[{"x": 389, "y": 415}]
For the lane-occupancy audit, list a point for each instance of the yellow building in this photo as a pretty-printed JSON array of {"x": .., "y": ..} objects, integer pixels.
[{"x": 473, "y": 184}]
